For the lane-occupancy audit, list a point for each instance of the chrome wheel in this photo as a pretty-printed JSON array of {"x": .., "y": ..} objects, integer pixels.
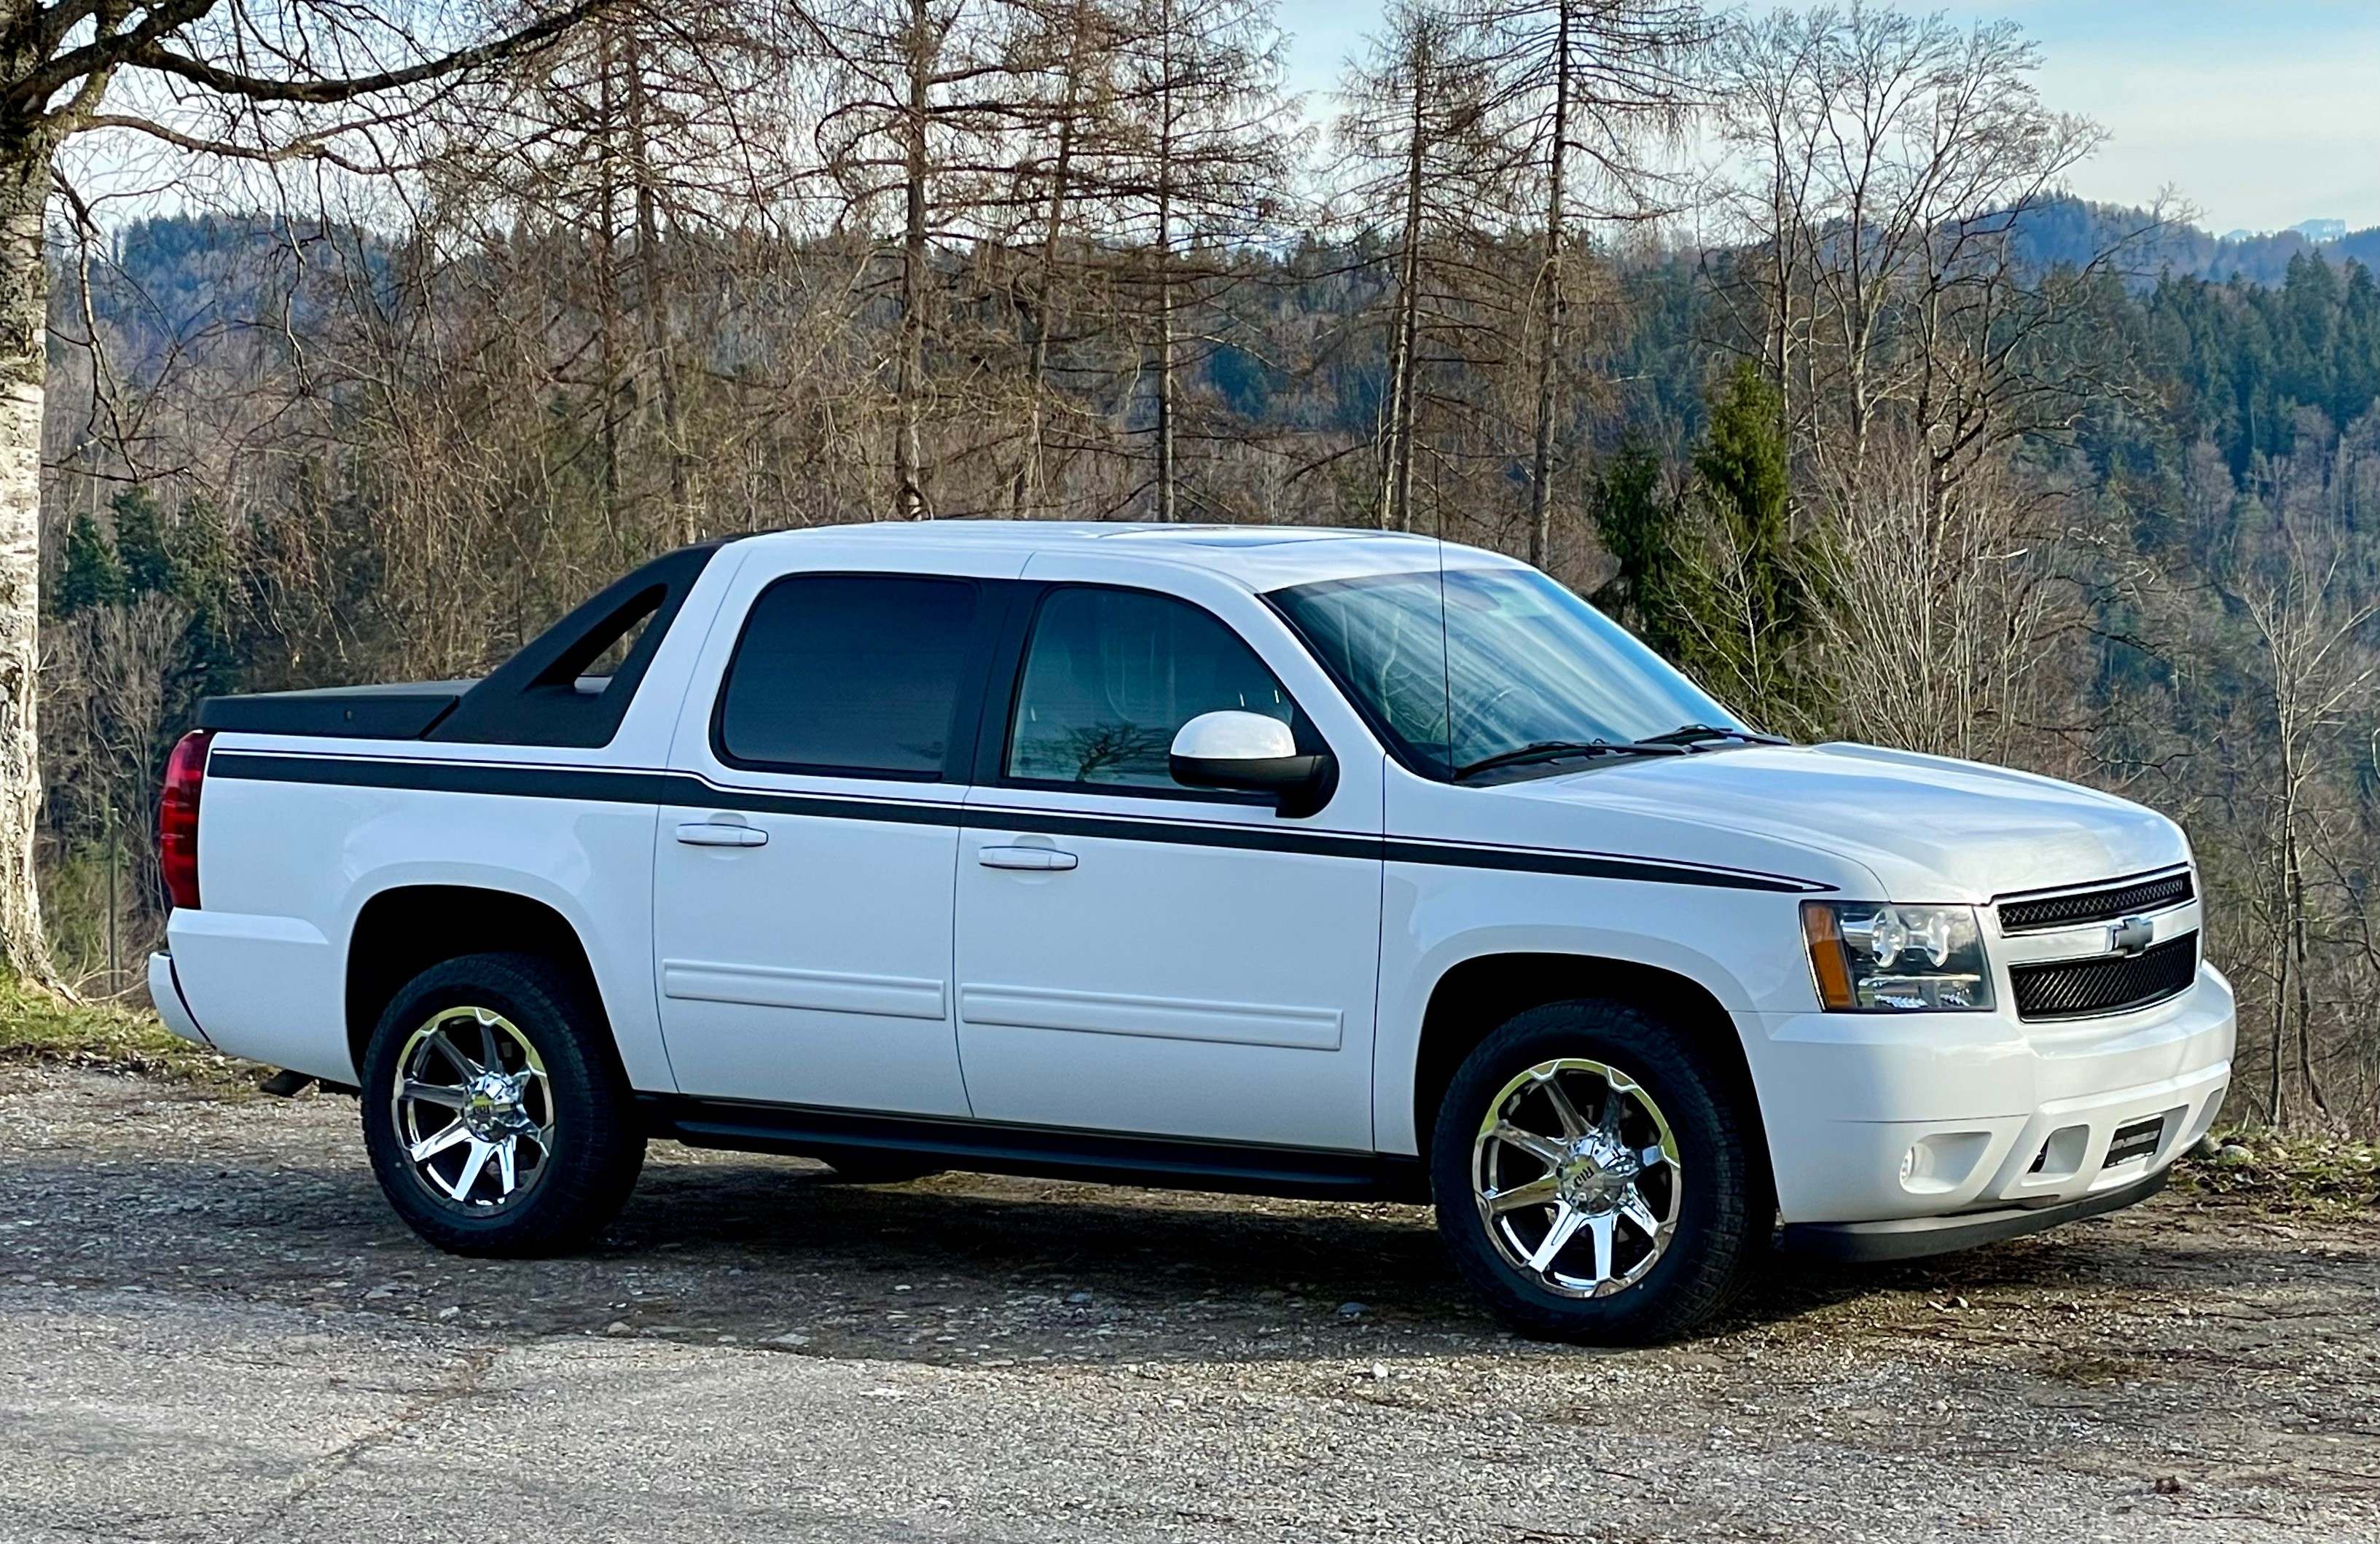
[
  {"x": 1575, "y": 1174},
  {"x": 474, "y": 1109}
]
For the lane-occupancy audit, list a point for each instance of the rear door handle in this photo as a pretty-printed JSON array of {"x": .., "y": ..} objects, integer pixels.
[
  {"x": 719, "y": 834},
  {"x": 1038, "y": 860}
]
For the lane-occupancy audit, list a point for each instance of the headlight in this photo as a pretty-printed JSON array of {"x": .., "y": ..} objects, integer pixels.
[{"x": 1873, "y": 957}]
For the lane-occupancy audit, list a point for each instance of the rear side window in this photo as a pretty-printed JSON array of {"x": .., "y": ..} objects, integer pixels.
[
  {"x": 1110, "y": 674},
  {"x": 855, "y": 675}
]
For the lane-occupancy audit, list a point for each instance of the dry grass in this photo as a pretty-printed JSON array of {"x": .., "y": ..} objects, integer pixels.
[
  {"x": 37, "y": 1026},
  {"x": 2286, "y": 1173}
]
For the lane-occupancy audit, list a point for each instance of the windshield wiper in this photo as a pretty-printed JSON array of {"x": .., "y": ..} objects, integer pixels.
[
  {"x": 1555, "y": 751},
  {"x": 1698, "y": 733}
]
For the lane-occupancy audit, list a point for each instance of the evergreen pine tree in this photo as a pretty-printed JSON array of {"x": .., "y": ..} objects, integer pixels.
[
  {"x": 1640, "y": 530},
  {"x": 93, "y": 575},
  {"x": 140, "y": 544},
  {"x": 1751, "y": 609}
]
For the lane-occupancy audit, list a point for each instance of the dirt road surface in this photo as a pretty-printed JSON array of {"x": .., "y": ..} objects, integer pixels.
[{"x": 212, "y": 1328}]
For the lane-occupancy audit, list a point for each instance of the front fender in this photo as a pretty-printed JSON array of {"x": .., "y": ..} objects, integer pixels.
[{"x": 1742, "y": 947}]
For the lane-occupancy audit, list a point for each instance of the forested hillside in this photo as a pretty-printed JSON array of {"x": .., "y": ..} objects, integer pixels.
[{"x": 1922, "y": 453}]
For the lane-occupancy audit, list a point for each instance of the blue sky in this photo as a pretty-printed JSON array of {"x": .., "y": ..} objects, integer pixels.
[{"x": 2258, "y": 114}]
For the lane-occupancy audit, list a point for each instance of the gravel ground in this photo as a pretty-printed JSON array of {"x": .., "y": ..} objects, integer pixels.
[{"x": 210, "y": 1327}]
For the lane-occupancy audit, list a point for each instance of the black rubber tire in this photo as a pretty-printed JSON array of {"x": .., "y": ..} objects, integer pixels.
[
  {"x": 598, "y": 1148},
  {"x": 1720, "y": 1218},
  {"x": 881, "y": 1166}
]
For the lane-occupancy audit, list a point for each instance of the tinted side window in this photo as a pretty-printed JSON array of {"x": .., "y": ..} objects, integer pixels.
[
  {"x": 855, "y": 673},
  {"x": 1111, "y": 674}
]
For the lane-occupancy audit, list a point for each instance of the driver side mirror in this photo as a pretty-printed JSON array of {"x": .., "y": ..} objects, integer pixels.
[{"x": 1249, "y": 753}]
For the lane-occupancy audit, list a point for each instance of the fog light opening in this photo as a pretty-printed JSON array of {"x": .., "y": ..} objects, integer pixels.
[{"x": 1944, "y": 1163}]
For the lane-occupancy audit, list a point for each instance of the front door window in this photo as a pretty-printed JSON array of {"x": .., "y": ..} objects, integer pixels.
[{"x": 1111, "y": 676}]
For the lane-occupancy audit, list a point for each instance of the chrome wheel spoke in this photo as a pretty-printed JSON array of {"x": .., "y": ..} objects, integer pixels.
[
  {"x": 1567, "y": 1221},
  {"x": 455, "y": 1057},
  {"x": 469, "y": 1177},
  {"x": 432, "y": 1146},
  {"x": 1545, "y": 1190},
  {"x": 446, "y": 1095},
  {"x": 507, "y": 1173},
  {"x": 1599, "y": 1227},
  {"x": 1651, "y": 1157},
  {"x": 1573, "y": 1124},
  {"x": 1632, "y": 1207},
  {"x": 1545, "y": 1150},
  {"x": 491, "y": 1056}
]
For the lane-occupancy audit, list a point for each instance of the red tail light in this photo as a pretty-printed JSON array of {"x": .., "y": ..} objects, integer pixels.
[{"x": 177, "y": 816}]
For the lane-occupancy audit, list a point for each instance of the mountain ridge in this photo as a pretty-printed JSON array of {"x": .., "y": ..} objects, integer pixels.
[{"x": 2071, "y": 231}]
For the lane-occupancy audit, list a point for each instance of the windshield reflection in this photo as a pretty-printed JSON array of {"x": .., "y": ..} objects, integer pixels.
[{"x": 1518, "y": 659}]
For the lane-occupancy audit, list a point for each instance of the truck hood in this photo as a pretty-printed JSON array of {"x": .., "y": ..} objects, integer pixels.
[{"x": 1927, "y": 827}]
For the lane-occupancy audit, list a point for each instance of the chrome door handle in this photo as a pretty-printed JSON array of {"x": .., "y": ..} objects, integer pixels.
[
  {"x": 1038, "y": 859},
  {"x": 719, "y": 834}
]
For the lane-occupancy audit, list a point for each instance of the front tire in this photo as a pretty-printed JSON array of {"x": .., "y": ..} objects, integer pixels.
[
  {"x": 1592, "y": 1178},
  {"x": 498, "y": 1119}
]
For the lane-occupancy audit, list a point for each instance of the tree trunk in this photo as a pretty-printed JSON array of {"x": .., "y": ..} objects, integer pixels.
[
  {"x": 607, "y": 279},
  {"x": 24, "y": 328},
  {"x": 908, "y": 451},
  {"x": 1166, "y": 508},
  {"x": 1552, "y": 302},
  {"x": 1396, "y": 486},
  {"x": 2283, "y": 924},
  {"x": 1027, "y": 489},
  {"x": 683, "y": 526}
]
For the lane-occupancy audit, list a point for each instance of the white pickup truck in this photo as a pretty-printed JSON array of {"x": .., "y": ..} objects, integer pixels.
[{"x": 1304, "y": 862}]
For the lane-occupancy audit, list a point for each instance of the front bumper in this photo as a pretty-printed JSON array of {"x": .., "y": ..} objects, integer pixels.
[
  {"x": 1915, "y": 1237},
  {"x": 1887, "y": 1119}
]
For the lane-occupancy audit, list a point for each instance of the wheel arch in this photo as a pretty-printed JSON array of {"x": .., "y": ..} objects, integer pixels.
[
  {"x": 401, "y": 931},
  {"x": 1476, "y": 996}
]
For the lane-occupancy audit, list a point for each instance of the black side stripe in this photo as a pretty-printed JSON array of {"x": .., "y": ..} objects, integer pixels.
[
  {"x": 1596, "y": 866},
  {"x": 604, "y": 786}
]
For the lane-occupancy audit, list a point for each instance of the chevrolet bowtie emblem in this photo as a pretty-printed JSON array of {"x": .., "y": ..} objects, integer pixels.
[{"x": 2132, "y": 935}]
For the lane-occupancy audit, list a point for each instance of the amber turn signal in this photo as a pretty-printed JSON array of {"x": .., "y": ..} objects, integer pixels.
[{"x": 1828, "y": 964}]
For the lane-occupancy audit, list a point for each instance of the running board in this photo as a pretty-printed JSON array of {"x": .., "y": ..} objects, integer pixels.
[{"x": 1049, "y": 1153}]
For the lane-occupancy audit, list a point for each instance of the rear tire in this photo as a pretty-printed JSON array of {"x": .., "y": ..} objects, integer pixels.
[
  {"x": 1592, "y": 1178},
  {"x": 497, "y": 1116}
]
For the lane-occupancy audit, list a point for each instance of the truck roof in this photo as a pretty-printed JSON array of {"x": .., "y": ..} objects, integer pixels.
[{"x": 1263, "y": 557}]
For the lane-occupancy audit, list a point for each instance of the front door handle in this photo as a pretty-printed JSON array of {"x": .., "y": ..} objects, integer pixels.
[
  {"x": 719, "y": 834},
  {"x": 1038, "y": 859}
]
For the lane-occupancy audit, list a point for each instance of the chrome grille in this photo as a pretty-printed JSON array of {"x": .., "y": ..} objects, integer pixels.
[
  {"x": 2106, "y": 984},
  {"x": 2126, "y": 898}
]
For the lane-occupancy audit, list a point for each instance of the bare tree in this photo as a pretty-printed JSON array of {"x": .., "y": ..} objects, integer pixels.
[
  {"x": 1885, "y": 163},
  {"x": 1203, "y": 148},
  {"x": 1075, "y": 48},
  {"x": 70, "y": 67},
  {"x": 1580, "y": 90},
  {"x": 2320, "y": 675},
  {"x": 1438, "y": 186},
  {"x": 921, "y": 104},
  {"x": 1942, "y": 609}
]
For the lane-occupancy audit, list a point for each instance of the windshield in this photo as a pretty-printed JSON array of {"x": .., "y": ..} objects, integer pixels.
[{"x": 1522, "y": 661}]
